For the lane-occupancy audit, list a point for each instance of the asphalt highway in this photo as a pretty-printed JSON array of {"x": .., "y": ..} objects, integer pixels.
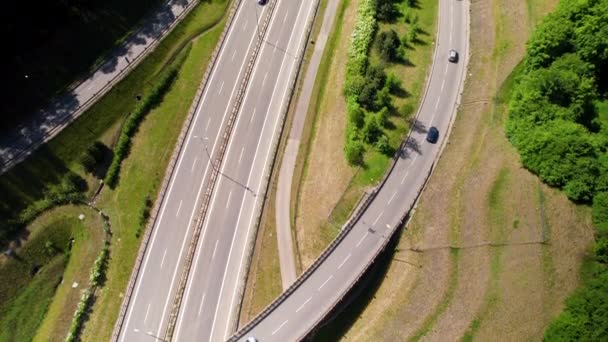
[
  {"x": 308, "y": 304},
  {"x": 212, "y": 292},
  {"x": 149, "y": 307}
]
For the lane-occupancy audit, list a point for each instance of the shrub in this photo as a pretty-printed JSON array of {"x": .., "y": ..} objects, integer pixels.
[
  {"x": 356, "y": 115},
  {"x": 393, "y": 83},
  {"x": 388, "y": 45},
  {"x": 600, "y": 212},
  {"x": 383, "y": 98},
  {"x": 362, "y": 36},
  {"x": 353, "y": 149},
  {"x": 372, "y": 129},
  {"x": 382, "y": 145},
  {"x": 385, "y": 10}
]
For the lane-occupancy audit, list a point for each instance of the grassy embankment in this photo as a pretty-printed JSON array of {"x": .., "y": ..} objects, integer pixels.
[
  {"x": 40, "y": 277},
  {"x": 26, "y": 183},
  {"x": 490, "y": 251}
]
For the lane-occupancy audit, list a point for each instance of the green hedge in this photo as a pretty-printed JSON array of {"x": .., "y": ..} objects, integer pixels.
[{"x": 147, "y": 103}]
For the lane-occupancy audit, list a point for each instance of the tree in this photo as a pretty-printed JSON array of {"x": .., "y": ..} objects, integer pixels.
[
  {"x": 393, "y": 83},
  {"x": 385, "y": 10},
  {"x": 372, "y": 129},
  {"x": 383, "y": 98},
  {"x": 388, "y": 44},
  {"x": 374, "y": 81},
  {"x": 382, "y": 145},
  {"x": 353, "y": 149},
  {"x": 356, "y": 115}
]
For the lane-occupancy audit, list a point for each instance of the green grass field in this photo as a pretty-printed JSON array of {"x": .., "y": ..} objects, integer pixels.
[
  {"x": 196, "y": 37},
  {"x": 45, "y": 259},
  {"x": 26, "y": 183}
]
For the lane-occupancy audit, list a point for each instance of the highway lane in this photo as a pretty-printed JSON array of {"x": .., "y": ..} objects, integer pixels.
[
  {"x": 212, "y": 290},
  {"x": 309, "y": 303},
  {"x": 151, "y": 301}
]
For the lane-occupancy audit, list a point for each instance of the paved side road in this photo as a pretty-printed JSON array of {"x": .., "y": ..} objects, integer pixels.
[
  {"x": 48, "y": 122},
  {"x": 284, "y": 237},
  {"x": 307, "y": 303}
]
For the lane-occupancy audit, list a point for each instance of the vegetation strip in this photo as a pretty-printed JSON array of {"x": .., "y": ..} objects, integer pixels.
[
  {"x": 556, "y": 125},
  {"x": 97, "y": 272}
]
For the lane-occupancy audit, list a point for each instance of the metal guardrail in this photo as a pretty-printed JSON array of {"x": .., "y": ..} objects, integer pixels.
[
  {"x": 169, "y": 174},
  {"x": 250, "y": 244},
  {"x": 215, "y": 173},
  {"x": 357, "y": 215},
  {"x": 18, "y": 157}
]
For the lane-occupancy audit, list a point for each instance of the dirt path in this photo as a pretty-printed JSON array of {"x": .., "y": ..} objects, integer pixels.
[{"x": 478, "y": 195}]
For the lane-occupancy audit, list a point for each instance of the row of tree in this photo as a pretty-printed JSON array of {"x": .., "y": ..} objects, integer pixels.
[
  {"x": 368, "y": 89},
  {"x": 555, "y": 125}
]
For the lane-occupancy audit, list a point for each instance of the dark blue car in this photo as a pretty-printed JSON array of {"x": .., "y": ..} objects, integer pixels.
[{"x": 432, "y": 135}]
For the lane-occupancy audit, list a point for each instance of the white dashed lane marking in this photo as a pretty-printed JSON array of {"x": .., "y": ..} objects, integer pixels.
[
  {"x": 279, "y": 328},
  {"x": 325, "y": 282},
  {"x": 344, "y": 261},
  {"x": 362, "y": 238},
  {"x": 301, "y": 306}
]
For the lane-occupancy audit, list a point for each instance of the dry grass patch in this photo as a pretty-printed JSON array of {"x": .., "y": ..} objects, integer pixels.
[
  {"x": 326, "y": 173},
  {"x": 515, "y": 286}
]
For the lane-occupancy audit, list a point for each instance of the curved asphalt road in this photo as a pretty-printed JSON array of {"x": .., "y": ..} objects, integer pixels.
[
  {"x": 152, "y": 298},
  {"x": 212, "y": 293},
  {"x": 308, "y": 304}
]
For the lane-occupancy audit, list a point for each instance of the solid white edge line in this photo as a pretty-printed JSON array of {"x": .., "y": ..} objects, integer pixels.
[
  {"x": 202, "y": 182},
  {"x": 143, "y": 267},
  {"x": 265, "y": 167},
  {"x": 209, "y": 163},
  {"x": 178, "y": 329}
]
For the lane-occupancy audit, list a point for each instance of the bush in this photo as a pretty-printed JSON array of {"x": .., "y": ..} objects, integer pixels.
[
  {"x": 388, "y": 45},
  {"x": 393, "y": 83},
  {"x": 600, "y": 212},
  {"x": 356, "y": 115},
  {"x": 386, "y": 10},
  {"x": 353, "y": 149},
  {"x": 555, "y": 127},
  {"x": 372, "y": 129},
  {"x": 362, "y": 36},
  {"x": 383, "y": 98},
  {"x": 382, "y": 145}
]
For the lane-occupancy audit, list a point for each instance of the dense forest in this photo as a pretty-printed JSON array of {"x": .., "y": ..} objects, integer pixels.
[
  {"x": 558, "y": 123},
  {"x": 50, "y": 43}
]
